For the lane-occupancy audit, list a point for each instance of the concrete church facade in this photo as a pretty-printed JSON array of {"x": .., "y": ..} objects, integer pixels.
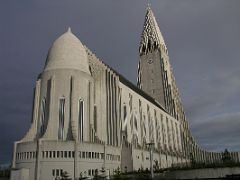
[{"x": 87, "y": 117}]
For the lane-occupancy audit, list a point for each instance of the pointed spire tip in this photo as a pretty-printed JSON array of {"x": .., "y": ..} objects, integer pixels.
[
  {"x": 148, "y": 5},
  {"x": 69, "y": 29}
]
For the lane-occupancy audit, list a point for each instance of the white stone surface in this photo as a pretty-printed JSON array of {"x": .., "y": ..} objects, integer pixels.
[
  {"x": 21, "y": 174},
  {"x": 67, "y": 52}
]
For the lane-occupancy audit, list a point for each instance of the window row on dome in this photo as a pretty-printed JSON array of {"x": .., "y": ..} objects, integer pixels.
[
  {"x": 82, "y": 155},
  {"x": 26, "y": 155}
]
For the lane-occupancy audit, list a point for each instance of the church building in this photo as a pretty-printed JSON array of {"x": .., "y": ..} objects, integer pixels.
[{"x": 88, "y": 118}]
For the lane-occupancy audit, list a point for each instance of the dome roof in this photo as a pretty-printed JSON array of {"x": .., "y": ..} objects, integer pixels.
[{"x": 67, "y": 52}]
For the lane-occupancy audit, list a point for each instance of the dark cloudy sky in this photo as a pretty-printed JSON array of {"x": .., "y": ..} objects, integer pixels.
[{"x": 202, "y": 36}]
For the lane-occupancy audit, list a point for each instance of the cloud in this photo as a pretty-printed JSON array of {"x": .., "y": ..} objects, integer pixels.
[
  {"x": 218, "y": 132},
  {"x": 213, "y": 114},
  {"x": 214, "y": 95}
]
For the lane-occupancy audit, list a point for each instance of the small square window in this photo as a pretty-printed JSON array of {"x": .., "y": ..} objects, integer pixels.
[
  {"x": 65, "y": 154},
  {"x": 54, "y": 154},
  {"x": 73, "y": 154},
  {"x": 58, "y": 154},
  {"x": 102, "y": 155},
  {"x": 57, "y": 172},
  {"x": 61, "y": 154}
]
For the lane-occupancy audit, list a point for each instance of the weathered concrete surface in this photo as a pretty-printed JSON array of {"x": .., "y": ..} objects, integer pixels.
[
  {"x": 202, "y": 173},
  {"x": 22, "y": 174}
]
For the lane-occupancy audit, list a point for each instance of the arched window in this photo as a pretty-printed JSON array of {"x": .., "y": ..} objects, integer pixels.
[{"x": 61, "y": 118}]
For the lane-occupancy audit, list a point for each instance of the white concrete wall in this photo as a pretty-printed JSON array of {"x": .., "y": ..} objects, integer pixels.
[
  {"x": 126, "y": 91},
  {"x": 21, "y": 174},
  {"x": 49, "y": 164}
]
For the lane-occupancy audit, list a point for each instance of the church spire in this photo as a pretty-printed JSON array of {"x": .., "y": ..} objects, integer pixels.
[{"x": 151, "y": 35}]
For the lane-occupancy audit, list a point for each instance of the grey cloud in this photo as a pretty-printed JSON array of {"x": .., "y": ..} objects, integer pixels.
[
  {"x": 225, "y": 86},
  {"x": 218, "y": 132}
]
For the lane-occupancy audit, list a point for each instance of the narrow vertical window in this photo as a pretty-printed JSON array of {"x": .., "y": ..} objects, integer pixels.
[
  {"x": 95, "y": 117},
  {"x": 44, "y": 111},
  {"x": 124, "y": 112},
  {"x": 54, "y": 154},
  {"x": 61, "y": 118},
  {"x": 81, "y": 119},
  {"x": 125, "y": 118},
  {"x": 57, "y": 172},
  {"x": 58, "y": 154},
  {"x": 42, "y": 117}
]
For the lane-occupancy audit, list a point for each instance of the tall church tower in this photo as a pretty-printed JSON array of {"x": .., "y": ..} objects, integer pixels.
[{"x": 155, "y": 75}]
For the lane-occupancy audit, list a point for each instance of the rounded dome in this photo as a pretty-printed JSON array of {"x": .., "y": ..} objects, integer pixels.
[{"x": 67, "y": 52}]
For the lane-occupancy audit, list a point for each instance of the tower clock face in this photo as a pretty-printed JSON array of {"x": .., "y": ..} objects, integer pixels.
[{"x": 150, "y": 61}]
